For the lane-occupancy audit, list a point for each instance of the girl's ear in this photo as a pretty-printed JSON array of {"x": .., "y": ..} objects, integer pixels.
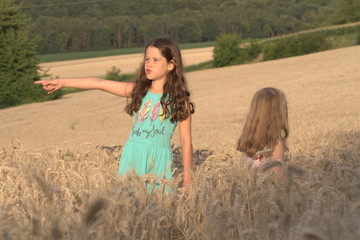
[{"x": 171, "y": 65}]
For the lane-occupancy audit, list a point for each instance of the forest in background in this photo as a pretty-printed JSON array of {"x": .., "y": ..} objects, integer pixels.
[{"x": 90, "y": 25}]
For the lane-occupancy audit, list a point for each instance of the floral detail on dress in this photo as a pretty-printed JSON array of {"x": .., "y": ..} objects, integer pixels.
[
  {"x": 255, "y": 161},
  {"x": 162, "y": 115},
  {"x": 144, "y": 111},
  {"x": 155, "y": 111}
]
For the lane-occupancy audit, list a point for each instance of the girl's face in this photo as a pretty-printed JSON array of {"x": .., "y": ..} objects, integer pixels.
[{"x": 156, "y": 66}]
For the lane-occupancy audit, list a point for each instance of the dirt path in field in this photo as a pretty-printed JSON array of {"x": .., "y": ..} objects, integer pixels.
[
  {"x": 322, "y": 90},
  {"x": 96, "y": 67}
]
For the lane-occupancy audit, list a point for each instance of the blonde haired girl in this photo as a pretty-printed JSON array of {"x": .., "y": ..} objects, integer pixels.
[{"x": 266, "y": 127}]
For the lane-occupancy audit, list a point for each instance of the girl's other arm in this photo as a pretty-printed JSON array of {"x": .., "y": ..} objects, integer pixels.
[
  {"x": 187, "y": 150},
  {"x": 279, "y": 151},
  {"x": 278, "y": 154},
  {"x": 122, "y": 89}
]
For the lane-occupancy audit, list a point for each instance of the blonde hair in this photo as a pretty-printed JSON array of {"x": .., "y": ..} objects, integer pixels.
[{"x": 266, "y": 123}]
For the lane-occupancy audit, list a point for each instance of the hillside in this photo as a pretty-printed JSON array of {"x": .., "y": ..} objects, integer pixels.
[{"x": 322, "y": 90}]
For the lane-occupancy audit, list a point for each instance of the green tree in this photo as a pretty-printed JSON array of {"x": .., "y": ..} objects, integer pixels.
[
  {"x": 210, "y": 29},
  {"x": 115, "y": 24},
  {"x": 347, "y": 11},
  {"x": 189, "y": 30},
  {"x": 18, "y": 62},
  {"x": 226, "y": 51},
  {"x": 296, "y": 45}
]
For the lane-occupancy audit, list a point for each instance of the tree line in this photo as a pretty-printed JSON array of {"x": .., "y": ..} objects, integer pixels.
[
  {"x": 231, "y": 50},
  {"x": 88, "y": 25}
]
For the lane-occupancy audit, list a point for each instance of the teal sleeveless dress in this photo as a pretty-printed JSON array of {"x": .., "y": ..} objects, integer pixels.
[{"x": 148, "y": 149}]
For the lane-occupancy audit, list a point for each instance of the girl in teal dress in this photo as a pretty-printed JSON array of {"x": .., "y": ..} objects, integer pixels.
[{"x": 160, "y": 100}]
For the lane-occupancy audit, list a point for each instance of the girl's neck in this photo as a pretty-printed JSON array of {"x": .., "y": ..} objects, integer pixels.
[{"x": 157, "y": 87}]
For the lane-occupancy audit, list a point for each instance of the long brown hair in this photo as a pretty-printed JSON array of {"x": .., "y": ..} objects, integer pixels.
[
  {"x": 266, "y": 123},
  {"x": 176, "y": 96}
]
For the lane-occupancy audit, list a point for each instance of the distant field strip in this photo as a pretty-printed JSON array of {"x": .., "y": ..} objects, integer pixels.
[{"x": 97, "y": 67}]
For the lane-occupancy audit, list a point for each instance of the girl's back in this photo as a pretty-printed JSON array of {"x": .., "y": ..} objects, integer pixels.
[{"x": 266, "y": 127}]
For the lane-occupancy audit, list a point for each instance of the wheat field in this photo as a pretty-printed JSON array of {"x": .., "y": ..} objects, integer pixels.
[{"x": 58, "y": 162}]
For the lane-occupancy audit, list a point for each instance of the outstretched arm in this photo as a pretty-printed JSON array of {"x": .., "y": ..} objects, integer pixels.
[
  {"x": 187, "y": 150},
  {"x": 122, "y": 89}
]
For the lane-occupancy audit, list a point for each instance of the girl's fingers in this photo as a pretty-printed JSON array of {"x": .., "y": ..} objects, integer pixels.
[
  {"x": 43, "y": 82},
  {"x": 39, "y": 82},
  {"x": 49, "y": 89},
  {"x": 48, "y": 85}
]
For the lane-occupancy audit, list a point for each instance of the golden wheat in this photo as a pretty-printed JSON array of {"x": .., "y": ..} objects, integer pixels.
[{"x": 74, "y": 194}]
